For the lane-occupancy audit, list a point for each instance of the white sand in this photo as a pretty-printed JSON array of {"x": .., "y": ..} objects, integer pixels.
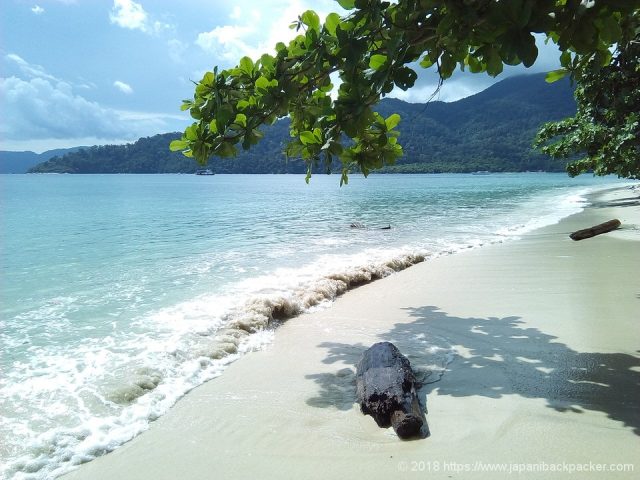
[{"x": 546, "y": 374}]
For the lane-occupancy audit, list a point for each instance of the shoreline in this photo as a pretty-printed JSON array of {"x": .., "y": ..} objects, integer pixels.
[{"x": 288, "y": 410}]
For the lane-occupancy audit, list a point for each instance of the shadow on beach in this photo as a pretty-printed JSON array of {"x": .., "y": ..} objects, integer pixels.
[
  {"x": 620, "y": 202},
  {"x": 518, "y": 360}
]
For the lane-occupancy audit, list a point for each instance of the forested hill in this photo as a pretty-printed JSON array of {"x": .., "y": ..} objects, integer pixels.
[
  {"x": 492, "y": 130},
  {"x": 21, "y": 162}
]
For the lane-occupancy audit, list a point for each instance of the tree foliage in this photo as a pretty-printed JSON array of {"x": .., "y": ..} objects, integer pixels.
[
  {"x": 374, "y": 49},
  {"x": 605, "y": 132}
]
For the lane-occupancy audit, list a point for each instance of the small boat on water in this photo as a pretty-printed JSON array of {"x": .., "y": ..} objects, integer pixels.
[{"x": 204, "y": 171}]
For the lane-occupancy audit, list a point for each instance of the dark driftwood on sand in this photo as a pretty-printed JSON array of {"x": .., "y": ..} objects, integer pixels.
[
  {"x": 386, "y": 390},
  {"x": 597, "y": 230}
]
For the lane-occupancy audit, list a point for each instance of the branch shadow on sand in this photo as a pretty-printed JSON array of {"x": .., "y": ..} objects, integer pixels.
[{"x": 518, "y": 360}]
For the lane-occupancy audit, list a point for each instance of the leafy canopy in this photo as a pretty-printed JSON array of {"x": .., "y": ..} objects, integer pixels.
[
  {"x": 605, "y": 132},
  {"x": 374, "y": 48}
]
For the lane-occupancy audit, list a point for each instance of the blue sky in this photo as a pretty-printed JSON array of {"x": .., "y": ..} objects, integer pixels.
[{"x": 85, "y": 72}]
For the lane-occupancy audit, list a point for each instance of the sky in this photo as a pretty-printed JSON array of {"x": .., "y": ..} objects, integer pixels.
[{"x": 91, "y": 72}]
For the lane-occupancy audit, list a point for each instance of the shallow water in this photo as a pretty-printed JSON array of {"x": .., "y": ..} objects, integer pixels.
[{"x": 121, "y": 293}]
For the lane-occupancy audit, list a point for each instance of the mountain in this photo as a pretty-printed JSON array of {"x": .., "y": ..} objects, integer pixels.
[
  {"x": 21, "y": 162},
  {"x": 492, "y": 130}
]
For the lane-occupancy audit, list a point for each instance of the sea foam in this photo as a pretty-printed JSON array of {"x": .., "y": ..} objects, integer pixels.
[{"x": 116, "y": 391}]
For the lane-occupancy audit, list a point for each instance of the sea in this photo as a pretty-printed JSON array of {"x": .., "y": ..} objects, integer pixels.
[{"x": 120, "y": 293}]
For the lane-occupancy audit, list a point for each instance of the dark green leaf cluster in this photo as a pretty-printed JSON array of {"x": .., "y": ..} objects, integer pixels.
[
  {"x": 372, "y": 50},
  {"x": 604, "y": 135}
]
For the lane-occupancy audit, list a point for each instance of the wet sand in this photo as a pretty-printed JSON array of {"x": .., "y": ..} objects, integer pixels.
[{"x": 533, "y": 347}]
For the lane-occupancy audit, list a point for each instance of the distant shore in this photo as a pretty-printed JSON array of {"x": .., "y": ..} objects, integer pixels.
[{"x": 533, "y": 345}]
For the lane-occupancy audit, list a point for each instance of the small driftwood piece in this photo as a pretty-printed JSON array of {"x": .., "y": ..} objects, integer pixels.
[
  {"x": 386, "y": 390},
  {"x": 362, "y": 226},
  {"x": 596, "y": 230}
]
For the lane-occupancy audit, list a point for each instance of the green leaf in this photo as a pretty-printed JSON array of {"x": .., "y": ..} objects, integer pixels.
[
  {"x": 262, "y": 82},
  {"x": 226, "y": 149},
  {"x": 246, "y": 65},
  {"x": 475, "y": 66},
  {"x": 379, "y": 120},
  {"x": 377, "y": 61},
  {"x": 556, "y": 75},
  {"x": 392, "y": 121},
  {"x": 191, "y": 132},
  {"x": 242, "y": 104},
  {"x": 223, "y": 117},
  {"x": 208, "y": 79},
  {"x": 426, "y": 62},
  {"x": 257, "y": 133},
  {"x": 494, "y": 63},
  {"x": 267, "y": 61},
  {"x": 347, "y": 4},
  {"x": 344, "y": 178},
  {"x": 311, "y": 20},
  {"x": 331, "y": 23},
  {"x": 251, "y": 138},
  {"x": 308, "y": 138},
  {"x": 405, "y": 78},
  {"x": 195, "y": 113},
  {"x": 241, "y": 119},
  {"x": 526, "y": 49},
  {"x": 178, "y": 145},
  {"x": 447, "y": 65},
  {"x": 293, "y": 149},
  {"x": 610, "y": 31}
]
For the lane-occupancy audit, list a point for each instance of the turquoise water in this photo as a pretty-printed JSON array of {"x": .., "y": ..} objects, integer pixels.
[{"x": 121, "y": 293}]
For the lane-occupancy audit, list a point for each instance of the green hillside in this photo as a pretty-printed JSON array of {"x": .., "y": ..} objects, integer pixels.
[
  {"x": 492, "y": 130},
  {"x": 21, "y": 162}
]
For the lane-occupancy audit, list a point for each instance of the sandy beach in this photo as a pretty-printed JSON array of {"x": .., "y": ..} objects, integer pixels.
[{"x": 529, "y": 350}]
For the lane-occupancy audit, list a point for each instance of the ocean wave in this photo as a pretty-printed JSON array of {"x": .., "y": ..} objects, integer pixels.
[
  {"x": 117, "y": 384},
  {"x": 116, "y": 388}
]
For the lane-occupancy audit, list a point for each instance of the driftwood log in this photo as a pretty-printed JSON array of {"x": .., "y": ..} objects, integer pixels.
[
  {"x": 386, "y": 390},
  {"x": 362, "y": 226},
  {"x": 596, "y": 230}
]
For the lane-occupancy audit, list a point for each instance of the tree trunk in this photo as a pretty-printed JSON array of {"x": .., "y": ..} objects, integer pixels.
[
  {"x": 386, "y": 390},
  {"x": 597, "y": 230}
]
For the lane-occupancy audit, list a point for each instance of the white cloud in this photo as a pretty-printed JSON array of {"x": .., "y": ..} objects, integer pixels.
[
  {"x": 236, "y": 13},
  {"x": 159, "y": 27},
  {"x": 227, "y": 42},
  {"x": 453, "y": 89},
  {"x": 37, "y": 9},
  {"x": 131, "y": 15},
  {"x": 257, "y": 30},
  {"x": 128, "y": 14},
  {"x": 176, "y": 50},
  {"x": 463, "y": 84},
  {"x": 30, "y": 70},
  {"x": 42, "y": 107},
  {"x": 123, "y": 87}
]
